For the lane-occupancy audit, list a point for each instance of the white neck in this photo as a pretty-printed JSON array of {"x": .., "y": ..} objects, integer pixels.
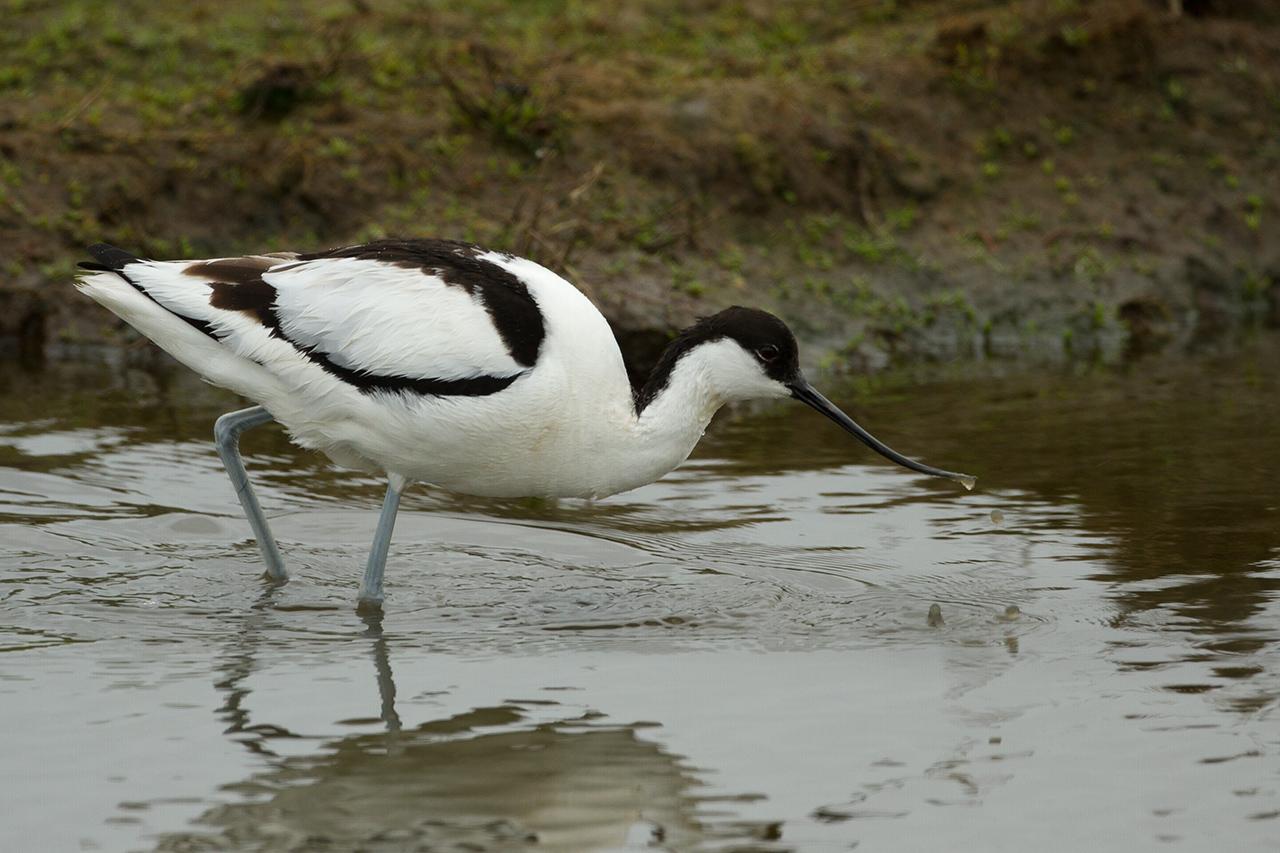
[{"x": 665, "y": 432}]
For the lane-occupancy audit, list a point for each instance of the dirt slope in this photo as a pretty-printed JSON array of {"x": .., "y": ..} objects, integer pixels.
[{"x": 900, "y": 180}]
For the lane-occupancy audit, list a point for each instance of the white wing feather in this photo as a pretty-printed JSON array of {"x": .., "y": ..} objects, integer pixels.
[{"x": 371, "y": 316}]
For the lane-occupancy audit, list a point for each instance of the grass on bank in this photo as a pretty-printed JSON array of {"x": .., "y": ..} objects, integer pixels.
[{"x": 849, "y": 163}]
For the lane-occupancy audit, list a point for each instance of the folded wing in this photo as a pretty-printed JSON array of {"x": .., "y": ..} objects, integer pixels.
[{"x": 425, "y": 317}]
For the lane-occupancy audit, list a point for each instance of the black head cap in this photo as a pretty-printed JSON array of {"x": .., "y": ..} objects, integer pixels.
[{"x": 760, "y": 333}]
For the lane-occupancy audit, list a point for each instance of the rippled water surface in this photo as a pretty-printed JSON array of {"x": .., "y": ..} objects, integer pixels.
[{"x": 785, "y": 645}]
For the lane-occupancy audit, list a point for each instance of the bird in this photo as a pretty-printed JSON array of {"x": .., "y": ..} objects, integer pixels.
[{"x": 441, "y": 362}]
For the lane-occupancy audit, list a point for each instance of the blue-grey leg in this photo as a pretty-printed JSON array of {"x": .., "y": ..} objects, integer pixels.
[
  {"x": 371, "y": 586},
  {"x": 226, "y": 433}
]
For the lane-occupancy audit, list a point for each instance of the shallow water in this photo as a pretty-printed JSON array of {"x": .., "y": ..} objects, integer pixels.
[{"x": 785, "y": 645}]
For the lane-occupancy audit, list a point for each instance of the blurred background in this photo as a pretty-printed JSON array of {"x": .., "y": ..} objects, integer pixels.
[
  {"x": 902, "y": 180},
  {"x": 1039, "y": 237}
]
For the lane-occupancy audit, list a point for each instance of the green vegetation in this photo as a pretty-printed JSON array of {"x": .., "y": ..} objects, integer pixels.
[{"x": 857, "y": 166}]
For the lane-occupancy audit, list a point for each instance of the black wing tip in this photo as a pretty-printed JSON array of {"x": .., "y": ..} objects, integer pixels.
[{"x": 108, "y": 258}]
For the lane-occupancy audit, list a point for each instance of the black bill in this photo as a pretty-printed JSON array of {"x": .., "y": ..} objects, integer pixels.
[{"x": 806, "y": 393}]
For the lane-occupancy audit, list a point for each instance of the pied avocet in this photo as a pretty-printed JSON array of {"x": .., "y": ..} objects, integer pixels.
[{"x": 441, "y": 362}]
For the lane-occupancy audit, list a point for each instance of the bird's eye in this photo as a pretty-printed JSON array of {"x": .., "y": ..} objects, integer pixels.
[{"x": 768, "y": 352}]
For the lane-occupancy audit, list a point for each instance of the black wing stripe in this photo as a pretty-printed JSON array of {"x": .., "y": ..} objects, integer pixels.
[{"x": 369, "y": 383}]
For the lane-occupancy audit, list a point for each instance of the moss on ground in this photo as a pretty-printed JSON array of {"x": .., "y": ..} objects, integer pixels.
[{"x": 899, "y": 179}]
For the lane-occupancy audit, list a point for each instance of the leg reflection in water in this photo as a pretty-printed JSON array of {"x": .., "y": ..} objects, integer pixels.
[
  {"x": 494, "y": 777},
  {"x": 239, "y": 662},
  {"x": 372, "y": 618}
]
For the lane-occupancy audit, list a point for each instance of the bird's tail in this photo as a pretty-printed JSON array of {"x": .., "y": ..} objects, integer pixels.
[{"x": 108, "y": 258}]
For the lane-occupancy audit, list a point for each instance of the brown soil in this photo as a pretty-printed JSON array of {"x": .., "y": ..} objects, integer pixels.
[{"x": 899, "y": 180}]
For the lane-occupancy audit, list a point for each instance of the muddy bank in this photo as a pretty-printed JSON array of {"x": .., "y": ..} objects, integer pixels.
[{"x": 902, "y": 181}]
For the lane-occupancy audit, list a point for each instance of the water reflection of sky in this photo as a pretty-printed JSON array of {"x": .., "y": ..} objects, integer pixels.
[{"x": 739, "y": 656}]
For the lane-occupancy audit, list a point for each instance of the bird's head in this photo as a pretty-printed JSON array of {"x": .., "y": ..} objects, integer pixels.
[{"x": 747, "y": 354}]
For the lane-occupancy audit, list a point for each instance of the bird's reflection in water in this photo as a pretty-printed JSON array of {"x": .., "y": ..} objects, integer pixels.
[
  {"x": 237, "y": 664},
  {"x": 445, "y": 784},
  {"x": 382, "y": 665}
]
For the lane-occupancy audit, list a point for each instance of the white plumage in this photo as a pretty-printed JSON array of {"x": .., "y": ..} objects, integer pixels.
[{"x": 442, "y": 363}]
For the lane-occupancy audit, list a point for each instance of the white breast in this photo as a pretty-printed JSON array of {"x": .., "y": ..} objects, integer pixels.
[{"x": 564, "y": 429}]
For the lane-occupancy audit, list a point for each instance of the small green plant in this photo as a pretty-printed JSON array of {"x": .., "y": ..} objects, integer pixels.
[
  {"x": 868, "y": 246},
  {"x": 1255, "y": 284},
  {"x": 1098, "y": 318},
  {"x": 732, "y": 258},
  {"x": 685, "y": 279},
  {"x": 1073, "y": 36},
  {"x": 974, "y": 66},
  {"x": 1090, "y": 266},
  {"x": 338, "y": 147},
  {"x": 903, "y": 218},
  {"x": 1066, "y": 191},
  {"x": 490, "y": 95},
  {"x": 1253, "y": 204},
  {"x": 1018, "y": 219}
]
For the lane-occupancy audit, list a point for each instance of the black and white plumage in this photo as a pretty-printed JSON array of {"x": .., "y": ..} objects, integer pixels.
[{"x": 441, "y": 362}]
